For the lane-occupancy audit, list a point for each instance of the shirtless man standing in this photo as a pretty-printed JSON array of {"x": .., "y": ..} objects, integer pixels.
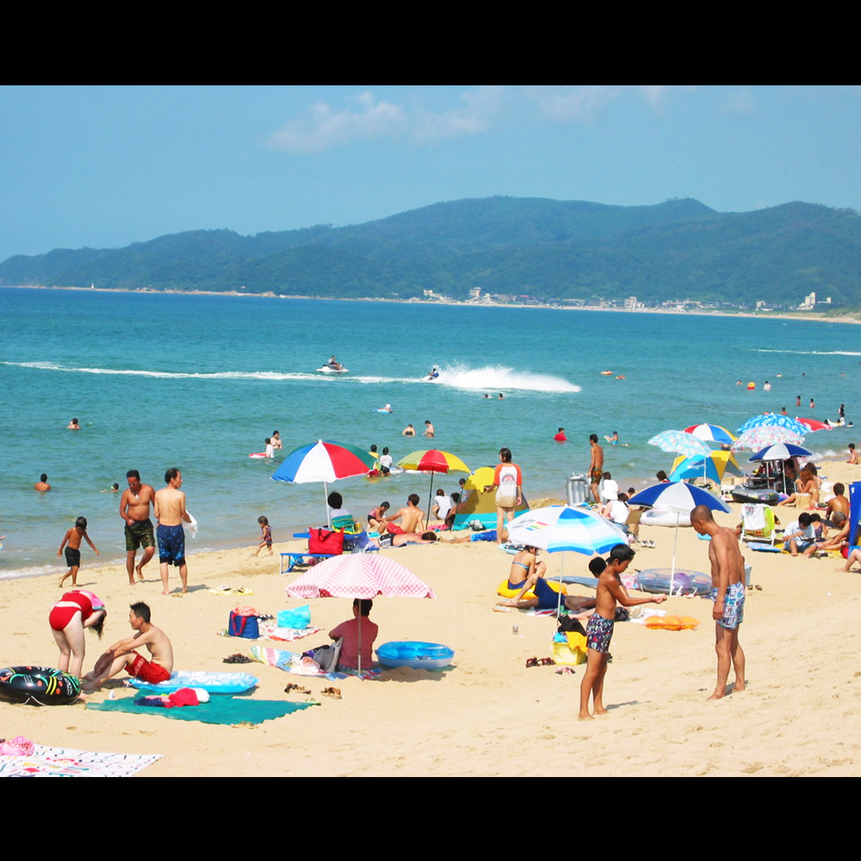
[
  {"x": 170, "y": 511},
  {"x": 134, "y": 510},
  {"x": 411, "y": 517},
  {"x": 727, "y": 568},
  {"x": 123, "y": 655},
  {"x": 596, "y": 467}
]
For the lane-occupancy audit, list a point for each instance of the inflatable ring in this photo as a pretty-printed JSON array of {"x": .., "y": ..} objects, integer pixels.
[
  {"x": 505, "y": 592},
  {"x": 42, "y": 686},
  {"x": 419, "y": 656}
]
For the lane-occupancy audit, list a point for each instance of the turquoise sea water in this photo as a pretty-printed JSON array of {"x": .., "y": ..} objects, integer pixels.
[{"x": 198, "y": 382}]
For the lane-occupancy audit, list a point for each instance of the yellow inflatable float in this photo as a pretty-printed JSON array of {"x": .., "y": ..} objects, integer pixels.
[{"x": 505, "y": 592}]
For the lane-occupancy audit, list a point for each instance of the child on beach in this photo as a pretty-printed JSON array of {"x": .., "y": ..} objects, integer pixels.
[
  {"x": 72, "y": 543},
  {"x": 266, "y": 535},
  {"x": 599, "y": 630}
]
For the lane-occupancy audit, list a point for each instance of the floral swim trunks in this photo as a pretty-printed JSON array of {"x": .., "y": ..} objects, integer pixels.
[
  {"x": 733, "y": 606},
  {"x": 599, "y": 632}
]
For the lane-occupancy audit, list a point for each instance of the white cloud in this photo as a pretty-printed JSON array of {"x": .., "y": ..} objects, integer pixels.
[
  {"x": 573, "y": 104},
  {"x": 324, "y": 128}
]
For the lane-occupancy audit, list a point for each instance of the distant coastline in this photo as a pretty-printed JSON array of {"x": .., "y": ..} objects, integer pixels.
[{"x": 551, "y": 306}]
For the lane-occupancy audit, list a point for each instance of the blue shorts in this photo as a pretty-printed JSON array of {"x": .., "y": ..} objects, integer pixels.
[
  {"x": 171, "y": 544},
  {"x": 548, "y": 599},
  {"x": 733, "y": 606}
]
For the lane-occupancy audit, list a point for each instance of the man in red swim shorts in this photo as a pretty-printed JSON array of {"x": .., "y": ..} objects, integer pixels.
[{"x": 123, "y": 655}]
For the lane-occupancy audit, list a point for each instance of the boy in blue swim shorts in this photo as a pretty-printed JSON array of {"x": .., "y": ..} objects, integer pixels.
[
  {"x": 727, "y": 592},
  {"x": 599, "y": 630}
]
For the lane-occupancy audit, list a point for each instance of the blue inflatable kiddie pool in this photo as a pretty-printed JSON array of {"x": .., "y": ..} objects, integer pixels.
[{"x": 419, "y": 656}]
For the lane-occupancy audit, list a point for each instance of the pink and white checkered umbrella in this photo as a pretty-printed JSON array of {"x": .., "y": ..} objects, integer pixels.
[{"x": 359, "y": 575}]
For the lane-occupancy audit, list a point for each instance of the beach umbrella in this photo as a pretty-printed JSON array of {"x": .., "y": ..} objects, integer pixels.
[
  {"x": 680, "y": 498},
  {"x": 774, "y": 420},
  {"x": 711, "y": 433},
  {"x": 712, "y": 466},
  {"x": 323, "y": 461},
  {"x": 781, "y": 451},
  {"x": 560, "y": 527},
  {"x": 680, "y": 442},
  {"x": 359, "y": 575},
  {"x": 760, "y": 437},
  {"x": 433, "y": 461}
]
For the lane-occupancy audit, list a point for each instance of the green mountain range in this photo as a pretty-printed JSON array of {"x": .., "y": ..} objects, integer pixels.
[{"x": 547, "y": 250}]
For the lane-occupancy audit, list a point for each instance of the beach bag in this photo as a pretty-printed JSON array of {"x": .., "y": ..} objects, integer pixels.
[
  {"x": 326, "y": 541},
  {"x": 243, "y": 623},
  {"x": 299, "y": 617},
  {"x": 326, "y": 657}
]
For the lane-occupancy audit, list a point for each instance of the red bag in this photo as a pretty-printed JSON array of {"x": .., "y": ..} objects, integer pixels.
[{"x": 326, "y": 541}]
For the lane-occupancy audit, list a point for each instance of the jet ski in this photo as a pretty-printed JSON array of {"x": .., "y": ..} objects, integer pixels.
[{"x": 433, "y": 375}]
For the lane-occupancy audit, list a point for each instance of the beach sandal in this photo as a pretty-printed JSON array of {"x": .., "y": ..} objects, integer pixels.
[
  {"x": 299, "y": 690},
  {"x": 532, "y": 662},
  {"x": 334, "y": 693},
  {"x": 565, "y": 671},
  {"x": 544, "y": 662}
]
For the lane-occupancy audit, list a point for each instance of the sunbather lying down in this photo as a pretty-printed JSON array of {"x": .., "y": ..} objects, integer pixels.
[{"x": 399, "y": 539}]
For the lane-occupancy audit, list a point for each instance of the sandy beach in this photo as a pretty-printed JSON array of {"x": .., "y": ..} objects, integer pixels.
[{"x": 489, "y": 715}]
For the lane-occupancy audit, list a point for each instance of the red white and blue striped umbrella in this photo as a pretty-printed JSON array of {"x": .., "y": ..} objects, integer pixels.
[
  {"x": 711, "y": 433},
  {"x": 323, "y": 461}
]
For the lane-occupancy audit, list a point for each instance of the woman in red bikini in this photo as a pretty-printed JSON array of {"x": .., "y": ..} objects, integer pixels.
[{"x": 68, "y": 618}]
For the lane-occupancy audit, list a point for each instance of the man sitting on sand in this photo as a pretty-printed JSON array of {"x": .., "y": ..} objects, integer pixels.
[
  {"x": 411, "y": 517},
  {"x": 123, "y": 655},
  {"x": 838, "y": 504}
]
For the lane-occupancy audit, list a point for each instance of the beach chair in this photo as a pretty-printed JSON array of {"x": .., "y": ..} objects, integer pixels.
[{"x": 757, "y": 523}]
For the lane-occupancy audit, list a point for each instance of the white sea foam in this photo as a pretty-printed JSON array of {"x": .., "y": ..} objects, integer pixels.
[
  {"x": 807, "y": 352},
  {"x": 501, "y": 378},
  {"x": 490, "y": 377}
]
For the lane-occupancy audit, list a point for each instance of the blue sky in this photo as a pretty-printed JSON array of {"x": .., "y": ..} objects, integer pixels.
[{"x": 104, "y": 166}]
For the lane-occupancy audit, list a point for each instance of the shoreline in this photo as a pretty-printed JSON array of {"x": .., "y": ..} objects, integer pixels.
[{"x": 813, "y": 316}]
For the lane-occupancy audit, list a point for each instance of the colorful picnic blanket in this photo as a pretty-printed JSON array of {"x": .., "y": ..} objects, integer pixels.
[
  {"x": 222, "y": 709},
  {"x": 292, "y": 662},
  {"x": 66, "y": 762}
]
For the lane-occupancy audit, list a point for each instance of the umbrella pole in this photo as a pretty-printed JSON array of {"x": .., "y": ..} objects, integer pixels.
[
  {"x": 675, "y": 545},
  {"x": 326, "y": 499},
  {"x": 430, "y": 500},
  {"x": 359, "y": 638}
]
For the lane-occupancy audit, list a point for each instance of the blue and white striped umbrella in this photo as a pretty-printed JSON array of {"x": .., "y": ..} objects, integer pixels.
[
  {"x": 561, "y": 527},
  {"x": 681, "y": 498},
  {"x": 781, "y": 451},
  {"x": 678, "y": 496}
]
